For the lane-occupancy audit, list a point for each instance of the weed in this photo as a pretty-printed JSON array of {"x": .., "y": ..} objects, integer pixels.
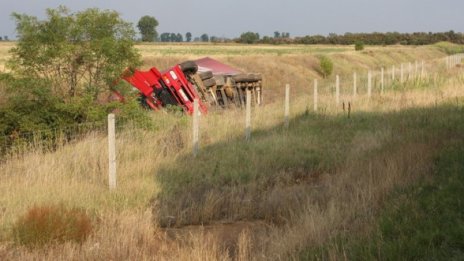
[{"x": 42, "y": 225}]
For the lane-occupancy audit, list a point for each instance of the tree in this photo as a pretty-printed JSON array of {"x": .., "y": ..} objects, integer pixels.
[
  {"x": 165, "y": 37},
  {"x": 326, "y": 66},
  {"x": 147, "y": 27},
  {"x": 179, "y": 38},
  {"x": 188, "y": 36},
  {"x": 276, "y": 34},
  {"x": 249, "y": 37},
  {"x": 173, "y": 37},
  {"x": 359, "y": 46},
  {"x": 204, "y": 38},
  {"x": 77, "y": 53}
]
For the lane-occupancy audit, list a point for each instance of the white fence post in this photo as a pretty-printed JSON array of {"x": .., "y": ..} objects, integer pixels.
[
  {"x": 315, "y": 95},
  {"x": 422, "y": 74},
  {"x": 355, "y": 84},
  {"x": 337, "y": 90},
  {"x": 287, "y": 105},
  {"x": 196, "y": 128},
  {"x": 402, "y": 73},
  {"x": 369, "y": 84},
  {"x": 416, "y": 70},
  {"x": 409, "y": 71},
  {"x": 248, "y": 116},
  {"x": 112, "y": 151},
  {"x": 382, "y": 80}
]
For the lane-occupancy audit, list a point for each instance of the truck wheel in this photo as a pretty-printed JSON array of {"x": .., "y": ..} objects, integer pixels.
[
  {"x": 206, "y": 75},
  {"x": 244, "y": 78},
  {"x": 189, "y": 67},
  {"x": 209, "y": 82}
]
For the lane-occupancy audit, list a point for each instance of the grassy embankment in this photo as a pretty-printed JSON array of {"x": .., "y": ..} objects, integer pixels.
[{"x": 323, "y": 181}]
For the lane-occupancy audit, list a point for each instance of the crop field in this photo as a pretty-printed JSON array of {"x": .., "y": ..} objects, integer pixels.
[{"x": 337, "y": 183}]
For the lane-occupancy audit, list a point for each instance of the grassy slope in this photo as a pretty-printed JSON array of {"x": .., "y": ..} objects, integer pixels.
[
  {"x": 422, "y": 221},
  {"x": 325, "y": 175}
]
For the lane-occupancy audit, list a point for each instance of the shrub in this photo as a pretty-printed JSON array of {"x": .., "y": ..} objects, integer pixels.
[
  {"x": 326, "y": 66},
  {"x": 359, "y": 46},
  {"x": 42, "y": 225}
]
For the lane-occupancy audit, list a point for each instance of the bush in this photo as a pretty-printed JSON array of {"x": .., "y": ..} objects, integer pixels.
[
  {"x": 326, "y": 66},
  {"x": 359, "y": 46},
  {"x": 42, "y": 225}
]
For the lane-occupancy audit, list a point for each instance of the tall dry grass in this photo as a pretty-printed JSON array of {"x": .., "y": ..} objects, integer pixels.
[{"x": 344, "y": 199}]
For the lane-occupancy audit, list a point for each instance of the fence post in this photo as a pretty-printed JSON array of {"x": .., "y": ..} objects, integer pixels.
[
  {"x": 382, "y": 83},
  {"x": 369, "y": 84},
  {"x": 112, "y": 151},
  {"x": 315, "y": 95},
  {"x": 287, "y": 105},
  {"x": 248, "y": 116},
  {"x": 355, "y": 84},
  {"x": 416, "y": 70},
  {"x": 422, "y": 70},
  {"x": 337, "y": 90},
  {"x": 196, "y": 128},
  {"x": 402, "y": 73},
  {"x": 409, "y": 71}
]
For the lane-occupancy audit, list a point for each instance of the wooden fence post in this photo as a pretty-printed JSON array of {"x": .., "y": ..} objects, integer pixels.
[
  {"x": 422, "y": 70},
  {"x": 409, "y": 71},
  {"x": 402, "y": 73},
  {"x": 287, "y": 105},
  {"x": 112, "y": 151},
  {"x": 248, "y": 116},
  {"x": 315, "y": 95},
  {"x": 382, "y": 80},
  {"x": 369, "y": 84},
  {"x": 355, "y": 84},
  {"x": 196, "y": 128},
  {"x": 337, "y": 90}
]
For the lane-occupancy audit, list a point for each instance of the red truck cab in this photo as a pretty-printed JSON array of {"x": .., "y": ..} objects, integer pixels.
[{"x": 169, "y": 87}]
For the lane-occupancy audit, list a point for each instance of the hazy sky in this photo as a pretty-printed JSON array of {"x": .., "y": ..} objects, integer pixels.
[{"x": 229, "y": 18}]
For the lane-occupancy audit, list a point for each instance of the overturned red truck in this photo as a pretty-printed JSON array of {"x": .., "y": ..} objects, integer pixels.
[{"x": 215, "y": 84}]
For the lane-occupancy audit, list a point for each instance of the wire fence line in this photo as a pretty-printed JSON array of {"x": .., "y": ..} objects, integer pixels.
[{"x": 349, "y": 86}]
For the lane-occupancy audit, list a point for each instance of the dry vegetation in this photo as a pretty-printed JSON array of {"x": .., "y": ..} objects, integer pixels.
[{"x": 285, "y": 191}]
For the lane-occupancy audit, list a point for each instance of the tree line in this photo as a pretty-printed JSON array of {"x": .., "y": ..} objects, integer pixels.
[{"x": 147, "y": 27}]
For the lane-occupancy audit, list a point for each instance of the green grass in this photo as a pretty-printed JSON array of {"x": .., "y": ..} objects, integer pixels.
[
  {"x": 277, "y": 158},
  {"x": 424, "y": 221}
]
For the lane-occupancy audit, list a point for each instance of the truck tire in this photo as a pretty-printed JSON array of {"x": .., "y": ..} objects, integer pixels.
[
  {"x": 257, "y": 77},
  {"x": 206, "y": 75},
  {"x": 244, "y": 78},
  {"x": 189, "y": 67},
  {"x": 209, "y": 82}
]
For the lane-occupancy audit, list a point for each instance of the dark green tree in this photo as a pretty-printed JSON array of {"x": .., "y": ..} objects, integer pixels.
[
  {"x": 173, "y": 37},
  {"x": 188, "y": 37},
  {"x": 77, "y": 53},
  {"x": 147, "y": 27},
  {"x": 179, "y": 38},
  {"x": 249, "y": 37},
  {"x": 276, "y": 34},
  {"x": 165, "y": 37},
  {"x": 204, "y": 38}
]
